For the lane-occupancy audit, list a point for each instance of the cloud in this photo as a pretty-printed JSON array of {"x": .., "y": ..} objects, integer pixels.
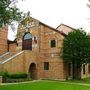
[{"x": 54, "y": 12}]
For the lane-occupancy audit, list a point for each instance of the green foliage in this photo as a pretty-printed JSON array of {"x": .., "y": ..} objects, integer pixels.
[
  {"x": 5, "y": 74},
  {"x": 19, "y": 75},
  {"x": 8, "y": 12},
  {"x": 16, "y": 77},
  {"x": 76, "y": 47},
  {"x": 76, "y": 50},
  {"x": 26, "y": 20}
]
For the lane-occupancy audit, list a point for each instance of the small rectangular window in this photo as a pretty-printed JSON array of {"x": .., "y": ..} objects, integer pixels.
[
  {"x": 46, "y": 65},
  {"x": 53, "y": 43}
]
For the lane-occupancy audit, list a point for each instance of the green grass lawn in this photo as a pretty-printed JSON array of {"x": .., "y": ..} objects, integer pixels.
[
  {"x": 44, "y": 85},
  {"x": 85, "y": 80}
]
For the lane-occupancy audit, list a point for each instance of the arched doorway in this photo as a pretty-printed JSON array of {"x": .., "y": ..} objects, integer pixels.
[
  {"x": 33, "y": 71},
  {"x": 27, "y": 41}
]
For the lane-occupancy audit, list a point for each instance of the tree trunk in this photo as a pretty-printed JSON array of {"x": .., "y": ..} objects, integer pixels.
[
  {"x": 79, "y": 68},
  {"x": 73, "y": 70}
]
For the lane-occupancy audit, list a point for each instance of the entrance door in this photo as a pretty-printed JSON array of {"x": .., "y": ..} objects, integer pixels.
[
  {"x": 33, "y": 71},
  {"x": 27, "y": 42}
]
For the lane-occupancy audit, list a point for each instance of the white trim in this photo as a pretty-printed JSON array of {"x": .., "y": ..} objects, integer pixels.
[
  {"x": 4, "y": 54},
  {"x": 11, "y": 57}
]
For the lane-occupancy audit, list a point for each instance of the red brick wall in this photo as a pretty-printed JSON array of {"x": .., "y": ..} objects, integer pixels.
[
  {"x": 12, "y": 47},
  {"x": 3, "y": 40}
]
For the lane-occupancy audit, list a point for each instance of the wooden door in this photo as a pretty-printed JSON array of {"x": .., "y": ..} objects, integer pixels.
[
  {"x": 27, "y": 42},
  {"x": 27, "y": 45}
]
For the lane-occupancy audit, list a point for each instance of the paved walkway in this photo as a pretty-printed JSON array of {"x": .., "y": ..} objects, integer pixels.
[
  {"x": 76, "y": 83},
  {"x": 48, "y": 81},
  {"x": 85, "y": 84},
  {"x": 20, "y": 82}
]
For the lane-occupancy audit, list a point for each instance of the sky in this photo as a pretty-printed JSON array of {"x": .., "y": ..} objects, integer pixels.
[{"x": 74, "y": 13}]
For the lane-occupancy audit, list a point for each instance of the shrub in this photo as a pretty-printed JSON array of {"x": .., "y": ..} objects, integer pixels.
[
  {"x": 18, "y": 75},
  {"x": 5, "y": 74},
  {"x": 17, "y": 80}
]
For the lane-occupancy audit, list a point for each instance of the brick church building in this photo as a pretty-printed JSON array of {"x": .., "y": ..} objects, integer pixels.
[{"x": 37, "y": 51}]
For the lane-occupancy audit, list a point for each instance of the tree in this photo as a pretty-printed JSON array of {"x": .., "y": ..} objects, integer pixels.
[
  {"x": 76, "y": 49},
  {"x": 9, "y": 12},
  {"x": 88, "y": 4}
]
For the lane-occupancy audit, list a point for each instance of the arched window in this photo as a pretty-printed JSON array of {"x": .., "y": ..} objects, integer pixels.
[
  {"x": 27, "y": 36},
  {"x": 27, "y": 41},
  {"x": 53, "y": 43}
]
